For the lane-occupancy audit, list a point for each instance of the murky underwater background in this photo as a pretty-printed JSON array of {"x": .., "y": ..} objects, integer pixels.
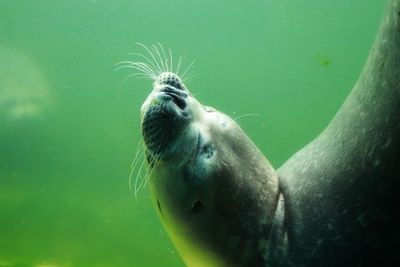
[{"x": 69, "y": 125}]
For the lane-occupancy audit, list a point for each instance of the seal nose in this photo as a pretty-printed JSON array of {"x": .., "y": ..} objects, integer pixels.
[
  {"x": 177, "y": 96},
  {"x": 171, "y": 79}
]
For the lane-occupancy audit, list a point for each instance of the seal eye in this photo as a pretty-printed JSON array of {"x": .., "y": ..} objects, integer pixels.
[
  {"x": 208, "y": 150},
  {"x": 222, "y": 122}
]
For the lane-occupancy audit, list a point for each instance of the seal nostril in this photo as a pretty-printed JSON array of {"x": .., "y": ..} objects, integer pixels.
[
  {"x": 197, "y": 206},
  {"x": 177, "y": 96},
  {"x": 178, "y": 101}
]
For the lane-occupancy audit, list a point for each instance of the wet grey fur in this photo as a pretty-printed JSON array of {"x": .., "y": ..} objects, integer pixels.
[{"x": 340, "y": 204}]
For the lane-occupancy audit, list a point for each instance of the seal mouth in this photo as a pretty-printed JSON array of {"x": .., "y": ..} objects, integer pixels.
[{"x": 164, "y": 120}]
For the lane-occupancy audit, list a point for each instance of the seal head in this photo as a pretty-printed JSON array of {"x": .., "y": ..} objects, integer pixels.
[{"x": 215, "y": 192}]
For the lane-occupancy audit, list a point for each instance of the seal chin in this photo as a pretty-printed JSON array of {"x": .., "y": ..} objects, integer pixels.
[{"x": 165, "y": 115}]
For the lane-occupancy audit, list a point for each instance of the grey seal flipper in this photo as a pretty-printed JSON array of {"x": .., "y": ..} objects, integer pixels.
[{"x": 341, "y": 191}]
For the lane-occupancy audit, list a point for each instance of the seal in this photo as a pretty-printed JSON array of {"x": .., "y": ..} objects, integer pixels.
[{"x": 334, "y": 203}]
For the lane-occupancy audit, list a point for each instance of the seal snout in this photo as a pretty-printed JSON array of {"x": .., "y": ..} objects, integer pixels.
[{"x": 171, "y": 87}]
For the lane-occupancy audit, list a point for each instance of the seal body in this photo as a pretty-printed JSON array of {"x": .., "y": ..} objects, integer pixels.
[{"x": 214, "y": 190}]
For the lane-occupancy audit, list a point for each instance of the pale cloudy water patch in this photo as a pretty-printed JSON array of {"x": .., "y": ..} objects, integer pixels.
[{"x": 24, "y": 91}]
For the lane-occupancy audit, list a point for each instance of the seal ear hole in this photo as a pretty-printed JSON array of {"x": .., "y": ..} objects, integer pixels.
[
  {"x": 159, "y": 206},
  {"x": 197, "y": 206},
  {"x": 209, "y": 109}
]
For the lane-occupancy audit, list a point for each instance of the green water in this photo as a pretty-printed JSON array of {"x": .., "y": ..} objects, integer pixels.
[{"x": 69, "y": 125}]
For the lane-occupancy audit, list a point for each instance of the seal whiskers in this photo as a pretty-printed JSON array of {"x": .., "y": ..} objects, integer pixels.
[
  {"x": 138, "y": 158},
  {"x": 170, "y": 60},
  {"x": 152, "y": 161},
  {"x": 149, "y": 61},
  {"x": 137, "y": 168},
  {"x": 152, "y": 56},
  {"x": 247, "y": 115},
  {"x": 144, "y": 69},
  {"x": 183, "y": 76},
  {"x": 178, "y": 66},
  {"x": 149, "y": 172},
  {"x": 140, "y": 179},
  {"x": 160, "y": 58},
  {"x": 156, "y": 62}
]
